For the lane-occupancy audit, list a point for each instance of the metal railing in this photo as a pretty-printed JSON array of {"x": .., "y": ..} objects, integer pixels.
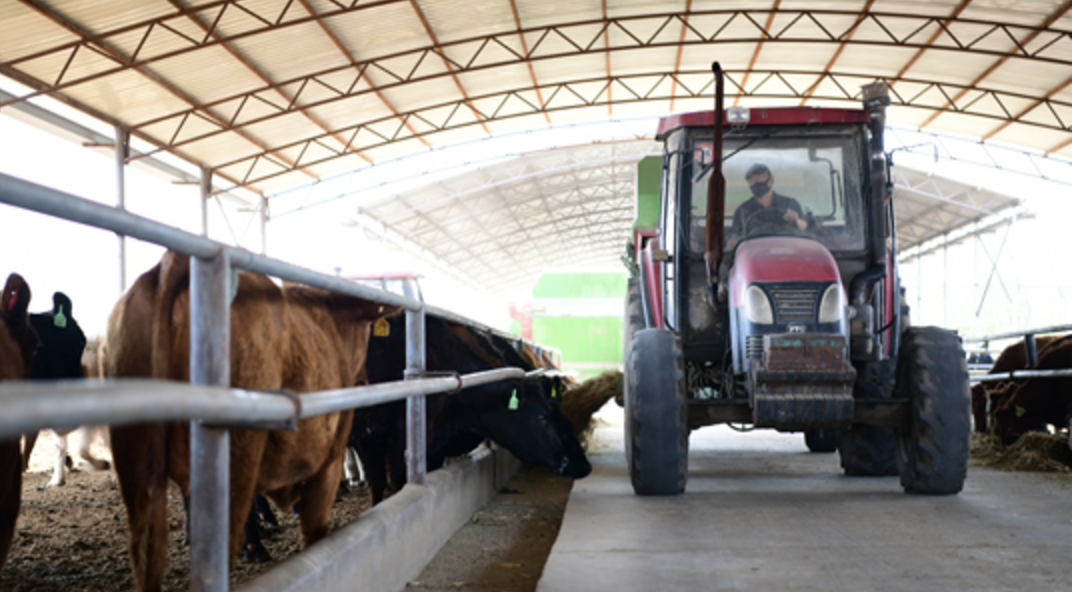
[
  {"x": 1028, "y": 335},
  {"x": 207, "y": 402}
]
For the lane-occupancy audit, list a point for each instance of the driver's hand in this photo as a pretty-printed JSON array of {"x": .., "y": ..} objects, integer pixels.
[{"x": 793, "y": 216}]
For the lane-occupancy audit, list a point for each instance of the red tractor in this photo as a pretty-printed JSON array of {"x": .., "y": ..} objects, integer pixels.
[{"x": 769, "y": 296}]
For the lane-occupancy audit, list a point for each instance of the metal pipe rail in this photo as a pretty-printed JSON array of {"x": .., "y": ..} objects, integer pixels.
[
  {"x": 210, "y": 279},
  {"x": 322, "y": 402},
  {"x": 62, "y": 404},
  {"x": 1022, "y": 375},
  {"x": 1017, "y": 334}
]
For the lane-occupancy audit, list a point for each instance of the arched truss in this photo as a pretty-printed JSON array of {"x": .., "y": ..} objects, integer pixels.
[
  {"x": 505, "y": 223},
  {"x": 572, "y": 208},
  {"x": 269, "y": 95}
]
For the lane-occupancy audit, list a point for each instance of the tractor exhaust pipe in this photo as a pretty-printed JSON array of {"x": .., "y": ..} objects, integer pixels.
[
  {"x": 876, "y": 97},
  {"x": 716, "y": 187}
]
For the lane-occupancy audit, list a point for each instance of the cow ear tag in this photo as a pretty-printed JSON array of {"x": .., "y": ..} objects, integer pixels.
[
  {"x": 512, "y": 406},
  {"x": 382, "y": 328},
  {"x": 1020, "y": 411},
  {"x": 554, "y": 392},
  {"x": 59, "y": 319}
]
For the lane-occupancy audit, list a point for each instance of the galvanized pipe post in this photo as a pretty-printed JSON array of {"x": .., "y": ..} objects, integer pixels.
[
  {"x": 122, "y": 151},
  {"x": 416, "y": 438},
  {"x": 206, "y": 194},
  {"x": 210, "y": 458}
]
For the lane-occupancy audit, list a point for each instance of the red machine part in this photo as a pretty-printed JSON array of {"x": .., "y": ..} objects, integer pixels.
[
  {"x": 651, "y": 275},
  {"x": 767, "y": 116},
  {"x": 781, "y": 259}
]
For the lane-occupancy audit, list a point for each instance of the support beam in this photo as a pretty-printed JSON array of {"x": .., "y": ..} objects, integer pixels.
[{"x": 122, "y": 152}]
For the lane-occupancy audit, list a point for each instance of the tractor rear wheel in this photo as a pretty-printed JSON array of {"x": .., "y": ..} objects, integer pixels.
[
  {"x": 656, "y": 416},
  {"x": 634, "y": 321},
  {"x": 932, "y": 373},
  {"x": 821, "y": 440},
  {"x": 870, "y": 450}
]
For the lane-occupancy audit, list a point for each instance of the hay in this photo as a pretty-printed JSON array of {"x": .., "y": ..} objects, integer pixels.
[
  {"x": 1033, "y": 452},
  {"x": 582, "y": 401}
]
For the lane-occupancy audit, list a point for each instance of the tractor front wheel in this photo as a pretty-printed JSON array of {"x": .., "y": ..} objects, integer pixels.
[
  {"x": 656, "y": 416},
  {"x": 932, "y": 373}
]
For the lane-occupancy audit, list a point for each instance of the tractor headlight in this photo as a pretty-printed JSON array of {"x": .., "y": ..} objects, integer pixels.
[
  {"x": 830, "y": 305},
  {"x": 757, "y": 306}
]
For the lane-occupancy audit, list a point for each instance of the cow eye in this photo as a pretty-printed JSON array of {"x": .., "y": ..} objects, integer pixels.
[{"x": 542, "y": 419}]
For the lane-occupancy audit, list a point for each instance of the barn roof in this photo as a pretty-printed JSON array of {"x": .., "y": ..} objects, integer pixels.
[{"x": 270, "y": 95}]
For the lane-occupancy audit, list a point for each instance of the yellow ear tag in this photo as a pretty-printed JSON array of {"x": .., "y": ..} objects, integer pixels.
[
  {"x": 554, "y": 392},
  {"x": 59, "y": 319},
  {"x": 513, "y": 401},
  {"x": 381, "y": 328},
  {"x": 1020, "y": 411}
]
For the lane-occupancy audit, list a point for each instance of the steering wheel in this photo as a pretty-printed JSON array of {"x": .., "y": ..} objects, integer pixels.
[{"x": 772, "y": 216}]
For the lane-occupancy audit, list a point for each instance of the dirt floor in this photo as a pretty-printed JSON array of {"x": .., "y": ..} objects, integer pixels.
[{"x": 73, "y": 538}]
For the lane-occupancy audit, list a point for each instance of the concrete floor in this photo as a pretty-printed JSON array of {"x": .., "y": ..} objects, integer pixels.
[{"x": 762, "y": 513}]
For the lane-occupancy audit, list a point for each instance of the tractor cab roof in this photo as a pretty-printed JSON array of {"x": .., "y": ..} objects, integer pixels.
[{"x": 762, "y": 116}]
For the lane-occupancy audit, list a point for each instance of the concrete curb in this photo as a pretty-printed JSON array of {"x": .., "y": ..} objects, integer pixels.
[{"x": 391, "y": 543}]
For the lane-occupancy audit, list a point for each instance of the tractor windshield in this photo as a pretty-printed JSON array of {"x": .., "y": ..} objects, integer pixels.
[{"x": 776, "y": 175}]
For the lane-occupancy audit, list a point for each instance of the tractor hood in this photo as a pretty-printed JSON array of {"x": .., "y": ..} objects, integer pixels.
[{"x": 781, "y": 259}]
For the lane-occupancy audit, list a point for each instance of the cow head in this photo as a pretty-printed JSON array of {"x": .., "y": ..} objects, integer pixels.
[{"x": 516, "y": 416}]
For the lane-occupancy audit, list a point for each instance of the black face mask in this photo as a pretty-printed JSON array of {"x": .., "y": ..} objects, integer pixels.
[{"x": 760, "y": 188}]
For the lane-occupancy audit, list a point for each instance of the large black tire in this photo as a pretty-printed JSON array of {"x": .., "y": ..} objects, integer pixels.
[
  {"x": 870, "y": 450},
  {"x": 656, "y": 415},
  {"x": 823, "y": 440},
  {"x": 932, "y": 372},
  {"x": 634, "y": 321}
]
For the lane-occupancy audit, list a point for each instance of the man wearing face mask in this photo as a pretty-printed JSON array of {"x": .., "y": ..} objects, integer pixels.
[{"x": 761, "y": 182}]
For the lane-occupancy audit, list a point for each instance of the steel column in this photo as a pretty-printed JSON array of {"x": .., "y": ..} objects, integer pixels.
[
  {"x": 210, "y": 364},
  {"x": 416, "y": 438},
  {"x": 122, "y": 151},
  {"x": 206, "y": 193}
]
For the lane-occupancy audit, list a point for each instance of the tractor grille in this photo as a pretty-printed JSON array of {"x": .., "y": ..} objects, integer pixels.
[
  {"x": 795, "y": 304},
  {"x": 753, "y": 347}
]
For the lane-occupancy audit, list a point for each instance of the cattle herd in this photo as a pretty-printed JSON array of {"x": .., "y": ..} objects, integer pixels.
[
  {"x": 290, "y": 337},
  {"x": 1009, "y": 409}
]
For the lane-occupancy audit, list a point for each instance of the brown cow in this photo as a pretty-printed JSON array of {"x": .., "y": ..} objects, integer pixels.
[
  {"x": 1037, "y": 402},
  {"x": 296, "y": 338},
  {"x": 1013, "y": 357},
  {"x": 11, "y": 368}
]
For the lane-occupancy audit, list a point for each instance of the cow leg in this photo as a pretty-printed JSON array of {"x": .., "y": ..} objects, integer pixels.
[
  {"x": 318, "y": 493},
  {"x": 27, "y": 449},
  {"x": 84, "y": 438},
  {"x": 140, "y": 463},
  {"x": 374, "y": 459},
  {"x": 59, "y": 469},
  {"x": 10, "y": 493},
  {"x": 252, "y": 547},
  {"x": 247, "y": 448}
]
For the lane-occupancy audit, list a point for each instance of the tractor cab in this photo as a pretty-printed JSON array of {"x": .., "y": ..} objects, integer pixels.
[{"x": 769, "y": 296}]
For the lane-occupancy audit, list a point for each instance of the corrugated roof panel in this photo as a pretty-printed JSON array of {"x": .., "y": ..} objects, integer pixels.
[
  {"x": 293, "y": 127},
  {"x": 537, "y": 13},
  {"x": 559, "y": 70},
  {"x": 424, "y": 95},
  {"x": 208, "y": 74},
  {"x": 1021, "y": 135},
  {"x": 129, "y": 95},
  {"x": 103, "y": 16},
  {"x": 24, "y": 32},
  {"x": 340, "y": 114},
  {"x": 495, "y": 80},
  {"x": 380, "y": 31},
  {"x": 274, "y": 53},
  {"x": 453, "y": 20}
]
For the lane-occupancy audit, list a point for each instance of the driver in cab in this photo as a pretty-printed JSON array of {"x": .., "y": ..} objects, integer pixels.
[{"x": 761, "y": 183}]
